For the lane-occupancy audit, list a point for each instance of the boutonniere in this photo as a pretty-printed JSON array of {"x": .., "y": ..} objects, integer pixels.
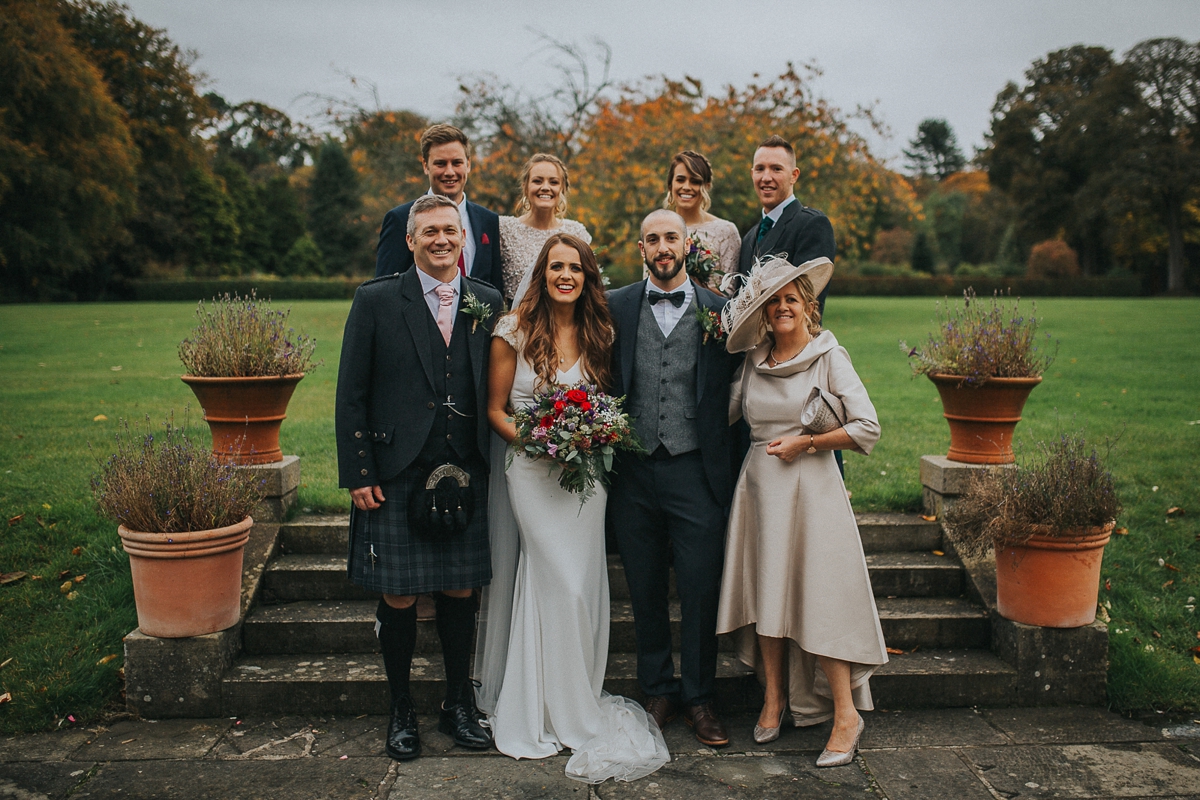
[
  {"x": 484, "y": 239},
  {"x": 475, "y": 308},
  {"x": 710, "y": 323}
]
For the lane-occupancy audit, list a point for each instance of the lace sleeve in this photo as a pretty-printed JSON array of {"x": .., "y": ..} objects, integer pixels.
[{"x": 506, "y": 329}]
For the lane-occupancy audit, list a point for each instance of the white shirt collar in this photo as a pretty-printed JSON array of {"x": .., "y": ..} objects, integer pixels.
[
  {"x": 776, "y": 212},
  {"x": 430, "y": 283},
  {"x": 686, "y": 288}
]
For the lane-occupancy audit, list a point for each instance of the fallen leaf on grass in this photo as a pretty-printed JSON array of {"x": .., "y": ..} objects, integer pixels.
[
  {"x": 11, "y": 577},
  {"x": 79, "y": 578},
  {"x": 106, "y": 659},
  {"x": 46, "y": 506},
  {"x": 1121, "y": 531},
  {"x": 66, "y": 573},
  {"x": 72, "y": 595},
  {"x": 14, "y": 520},
  {"x": 115, "y": 369},
  {"x": 76, "y": 551},
  {"x": 1107, "y": 585},
  {"x": 929, "y": 517},
  {"x": 1165, "y": 585},
  {"x": 66, "y": 587},
  {"x": 895, "y": 651},
  {"x": 99, "y": 418},
  {"x": 938, "y": 553},
  {"x": 4, "y": 698},
  {"x": 1175, "y": 510},
  {"x": 1156, "y": 634},
  {"x": 1171, "y": 567},
  {"x": 5, "y": 663}
]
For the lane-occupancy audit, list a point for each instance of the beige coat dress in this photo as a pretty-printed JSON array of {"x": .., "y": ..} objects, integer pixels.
[{"x": 794, "y": 565}]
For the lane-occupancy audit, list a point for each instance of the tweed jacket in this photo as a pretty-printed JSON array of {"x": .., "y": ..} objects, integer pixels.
[{"x": 386, "y": 400}]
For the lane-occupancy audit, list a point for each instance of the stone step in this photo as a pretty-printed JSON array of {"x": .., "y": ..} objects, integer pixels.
[
  {"x": 356, "y": 684},
  {"x": 348, "y": 626},
  {"x": 322, "y": 576},
  {"x": 944, "y": 679},
  {"x": 881, "y": 532}
]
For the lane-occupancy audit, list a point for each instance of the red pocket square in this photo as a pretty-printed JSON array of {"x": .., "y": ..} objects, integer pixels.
[{"x": 485, "y": 240}]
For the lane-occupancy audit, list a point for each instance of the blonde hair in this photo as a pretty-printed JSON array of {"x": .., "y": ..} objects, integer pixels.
[
  {"x": 560, "y": 209},
  {"x": 812, "y": 315}
]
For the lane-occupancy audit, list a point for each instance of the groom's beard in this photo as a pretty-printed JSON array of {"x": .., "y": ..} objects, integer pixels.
[{"x": 664, "y": 275}]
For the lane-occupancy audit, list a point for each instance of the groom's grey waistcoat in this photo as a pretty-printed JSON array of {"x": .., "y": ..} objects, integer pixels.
[{"x": 663, "y": 395}]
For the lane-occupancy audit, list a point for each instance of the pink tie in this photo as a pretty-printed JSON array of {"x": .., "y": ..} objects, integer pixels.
[{"x": 445, "y": 317}]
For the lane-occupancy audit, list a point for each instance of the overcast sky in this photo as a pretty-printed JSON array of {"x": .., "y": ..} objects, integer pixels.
[{"x": 912, "y": 60}]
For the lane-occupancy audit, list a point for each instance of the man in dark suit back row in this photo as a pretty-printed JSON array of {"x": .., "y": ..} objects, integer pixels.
[{"x": 446, "y": 159}]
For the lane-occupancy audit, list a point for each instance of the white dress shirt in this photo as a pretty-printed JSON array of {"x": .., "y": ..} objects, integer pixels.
[
  {"x": 665, "y": 312},
  {"x": 468, "y": 250},
  {"x": 775, "y": 213},
  {"x": 429, "y": 286}
]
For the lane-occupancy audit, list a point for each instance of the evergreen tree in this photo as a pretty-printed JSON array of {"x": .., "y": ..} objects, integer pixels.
[
  {"x": 333, "y": 210},
  {"x": 935, "y": 150},
  {"x": 922, "y": 253}
]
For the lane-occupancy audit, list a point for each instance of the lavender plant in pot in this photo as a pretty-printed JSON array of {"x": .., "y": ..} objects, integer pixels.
[
  {"x": 984, "y": 358},
  {"x": 184, "y": 519},
  {"x": 1048, "y": 521},
  {"x": 243, "y": 363}
]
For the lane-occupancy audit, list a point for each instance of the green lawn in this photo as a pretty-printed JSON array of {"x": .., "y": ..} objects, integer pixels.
[{"x": 1126, "y": 368}]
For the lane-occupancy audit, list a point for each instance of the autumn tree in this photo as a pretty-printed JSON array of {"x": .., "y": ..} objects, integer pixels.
[
  {"x": 1052, "y": 144},
  {"x": 1164, "y": 161},
  {"x": 935, "y": 151},
  {"x": 67, "y": 161}
]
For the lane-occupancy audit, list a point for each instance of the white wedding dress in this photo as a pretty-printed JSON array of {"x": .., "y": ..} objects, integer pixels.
[{"x": 542, "y": 672}]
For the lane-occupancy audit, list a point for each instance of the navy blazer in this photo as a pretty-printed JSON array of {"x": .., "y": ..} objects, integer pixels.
[
  {"x": 714, "y": 371},
  {"x": 385, "y": 393},
  {"x": 802, "y": 233},
  {"x": 393, "y": 254}
]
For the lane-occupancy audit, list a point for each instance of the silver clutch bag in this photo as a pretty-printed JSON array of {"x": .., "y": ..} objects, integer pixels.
[{"x": 822, "y": 412}]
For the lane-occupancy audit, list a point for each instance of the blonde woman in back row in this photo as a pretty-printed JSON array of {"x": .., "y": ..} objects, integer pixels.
[{"x": 545, "y": 185}]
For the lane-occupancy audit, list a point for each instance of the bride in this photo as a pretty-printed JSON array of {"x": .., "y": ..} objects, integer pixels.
[{"x": 543, "y": 635}]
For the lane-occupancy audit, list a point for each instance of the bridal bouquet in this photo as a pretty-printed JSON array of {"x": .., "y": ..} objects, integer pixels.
[
  {"x": 579, "y": 428},
  {"x": 699, "y": 259}
]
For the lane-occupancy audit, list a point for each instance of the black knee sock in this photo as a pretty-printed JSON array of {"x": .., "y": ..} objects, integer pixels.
[
  {"x": 456, "y": 629},
  {"x": 397, "y": 632}
]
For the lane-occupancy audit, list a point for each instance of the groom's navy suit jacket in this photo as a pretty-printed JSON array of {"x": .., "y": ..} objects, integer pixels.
[
  {"x": 385, "y": 392},
  {"x": 393, "y": 254},
  {"x": 714, "y": 370}
]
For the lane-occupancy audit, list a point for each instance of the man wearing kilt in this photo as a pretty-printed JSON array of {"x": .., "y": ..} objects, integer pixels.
[{"x": 411, "y": 434}]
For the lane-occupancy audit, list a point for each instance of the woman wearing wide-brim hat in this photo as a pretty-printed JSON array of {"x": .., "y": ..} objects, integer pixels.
[{"x": 795, "y": 589}]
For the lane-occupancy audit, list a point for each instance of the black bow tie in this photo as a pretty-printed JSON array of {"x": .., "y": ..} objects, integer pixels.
[{"x": 676, "y": 298}]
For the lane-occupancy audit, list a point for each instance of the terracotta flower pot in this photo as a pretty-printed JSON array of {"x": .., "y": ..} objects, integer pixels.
[
  {"x": 982, "y": 416},
  {"x": 244, "y": 414},
  {"x": 187, "y": 584},
  {"x": 1051, "y": 581}
]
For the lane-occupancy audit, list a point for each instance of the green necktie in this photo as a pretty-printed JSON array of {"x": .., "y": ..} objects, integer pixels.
[{"x": 764, "y": 226}]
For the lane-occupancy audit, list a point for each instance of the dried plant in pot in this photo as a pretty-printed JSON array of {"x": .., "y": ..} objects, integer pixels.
[
  {"x": 243, "y": 363},
  {"x": 1048, "y": 522},
  {"x": 984, "y": 358},
  {"x": 184, "y": 519}
]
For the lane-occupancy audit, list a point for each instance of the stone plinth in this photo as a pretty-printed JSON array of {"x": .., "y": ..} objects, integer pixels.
[
  {"x": 943, "y": 481},
  {"x": 282, "y": 483},
  {"x": 167, "y": 678}
]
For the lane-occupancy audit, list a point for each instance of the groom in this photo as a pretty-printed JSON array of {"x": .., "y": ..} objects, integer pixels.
[{"x": 674, "y": 501}]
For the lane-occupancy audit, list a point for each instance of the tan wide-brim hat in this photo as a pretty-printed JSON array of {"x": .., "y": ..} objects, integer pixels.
[{"x": 742, "y": 316}]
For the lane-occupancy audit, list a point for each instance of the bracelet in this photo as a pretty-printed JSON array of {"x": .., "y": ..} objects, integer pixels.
[{"x": 812, "y": 446}]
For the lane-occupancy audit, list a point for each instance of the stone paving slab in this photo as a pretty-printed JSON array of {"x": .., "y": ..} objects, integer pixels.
[
  {"x": 476, "y": 778},
  {"x": 924, "y": 774},
  {"x": 152, "y": 740},
  {"x": 954, "y": 727},
  {"x": 32, "y": 780},
  {"x": 56, "y": 746},
  {"x": 354, "y": 779},
  {"x": 741, "y": 777},
  {"x": 1075, "y": 725},
  {"x": 1088, "y": 770}
]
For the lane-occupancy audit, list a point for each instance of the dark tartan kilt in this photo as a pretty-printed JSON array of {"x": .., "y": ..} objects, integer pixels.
[{"x": 409, "y": 563}]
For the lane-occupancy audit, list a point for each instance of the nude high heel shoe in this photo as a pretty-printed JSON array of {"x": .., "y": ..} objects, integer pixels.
[
  {"x": 765, "y": 735},
  {"x": 831, "y": 758}
]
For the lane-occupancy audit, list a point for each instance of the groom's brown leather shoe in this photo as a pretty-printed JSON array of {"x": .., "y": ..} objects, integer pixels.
[
  {"x": 662, "y": 709},
  {"x": 707, "y": 727}
]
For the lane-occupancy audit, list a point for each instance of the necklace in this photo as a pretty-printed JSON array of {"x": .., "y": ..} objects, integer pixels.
[{"x": 777, "y": 361}]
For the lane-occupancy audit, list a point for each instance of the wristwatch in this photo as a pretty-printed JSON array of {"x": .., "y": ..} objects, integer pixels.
[{"x": 812, "y": 447}]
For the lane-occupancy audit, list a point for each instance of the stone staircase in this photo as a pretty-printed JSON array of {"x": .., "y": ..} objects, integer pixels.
[{"x": 308, "y": 645}]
